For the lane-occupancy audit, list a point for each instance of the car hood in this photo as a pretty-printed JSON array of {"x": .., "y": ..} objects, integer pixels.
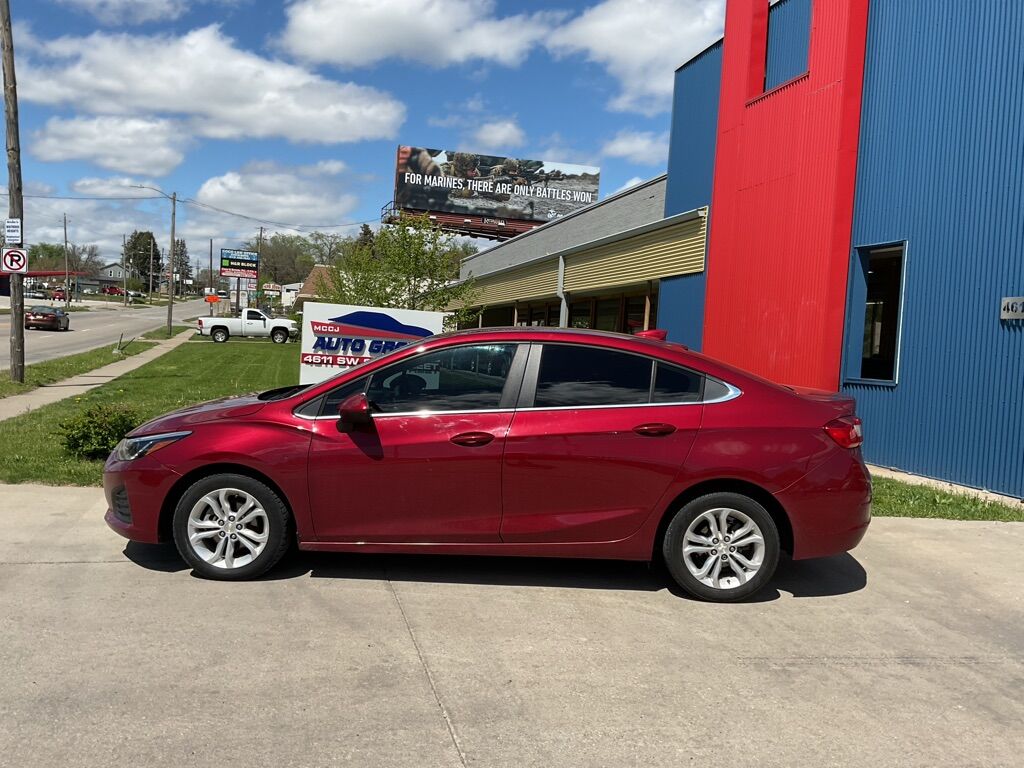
[{"x": 213, "y": 410}]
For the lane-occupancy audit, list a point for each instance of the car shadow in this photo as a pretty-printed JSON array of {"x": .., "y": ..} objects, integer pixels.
[{"x": 825, "y": 577}]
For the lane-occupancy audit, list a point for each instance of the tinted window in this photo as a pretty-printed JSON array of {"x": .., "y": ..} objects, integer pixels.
[
  {"x": 251, "y": 315},
  {"x": 465, "y": 378},
  {"x": 573, "y": 376},
  {"x": 675, "y": 385},
  {"x": 337, "y": 396},
  {"x": 714, "y": 390}
]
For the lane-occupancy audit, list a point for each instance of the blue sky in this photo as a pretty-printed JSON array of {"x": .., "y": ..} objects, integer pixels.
[{"x": 290, "y": 112}]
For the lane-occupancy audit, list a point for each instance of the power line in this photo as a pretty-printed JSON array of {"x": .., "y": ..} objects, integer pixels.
[
  {"x": 296, "y": 227},
  {"x": 85, "y": 197}
]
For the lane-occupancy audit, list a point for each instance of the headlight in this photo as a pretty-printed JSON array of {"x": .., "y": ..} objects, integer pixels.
[{"x": 132, "y": 448}]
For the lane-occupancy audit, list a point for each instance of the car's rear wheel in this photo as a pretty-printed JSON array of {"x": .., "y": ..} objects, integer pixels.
[
  {"x": 279, "y": 336},
  {"x": 219, "y": 335},
  {"x": 231, "y": 527},
  {"x": 721, "y": 547}
]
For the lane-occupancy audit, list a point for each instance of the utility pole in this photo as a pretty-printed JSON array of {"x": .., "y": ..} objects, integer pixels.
[
  {"x": 210, "y": 277},
  {"x": 170, "y": 266},
  {"x": 124, "y": 273},
  {"x": 67, "y": 272},
  {"x": 16, "y": 209},
  {"x": 152, "y": 242}
]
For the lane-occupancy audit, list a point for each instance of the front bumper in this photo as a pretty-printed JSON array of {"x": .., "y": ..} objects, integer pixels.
[{"x": 135, "y": 493}]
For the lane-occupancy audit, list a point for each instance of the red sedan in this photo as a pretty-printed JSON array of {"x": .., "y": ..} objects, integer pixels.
[
  {"x": 515, "y": 441},
  {"x": 45, "y": 318}
]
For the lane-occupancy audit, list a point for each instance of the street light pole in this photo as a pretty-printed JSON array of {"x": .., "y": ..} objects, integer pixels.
[
  {"x": 170, "y": 267},
  {"x": 67, "y": 272},
  {"x": 152, "y": 241}
]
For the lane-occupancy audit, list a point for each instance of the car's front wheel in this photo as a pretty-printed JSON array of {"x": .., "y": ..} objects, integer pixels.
[
  {"x": 231, "y": 527},
  {"x": 721, "y": 547},
  {"x": 279, "y": 336}
]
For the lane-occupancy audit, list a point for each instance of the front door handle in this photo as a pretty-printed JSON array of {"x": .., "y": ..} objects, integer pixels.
[
  {"x": 473, "y": 439},
  {"x": 654, "y": 430}
]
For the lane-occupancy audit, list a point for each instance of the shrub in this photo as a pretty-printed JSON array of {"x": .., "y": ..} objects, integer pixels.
[{"x": 93, "y": 433}]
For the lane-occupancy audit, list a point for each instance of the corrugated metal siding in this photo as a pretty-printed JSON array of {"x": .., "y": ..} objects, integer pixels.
[
  {"x": 942, "y": 167},
  {"x": 532, "y": 281},
  {"x": 681, "y": 309},
  {"x": 674, "y": 250},
  {"x": 789, "y": 37},
  {"x": 783, "y": 202}
]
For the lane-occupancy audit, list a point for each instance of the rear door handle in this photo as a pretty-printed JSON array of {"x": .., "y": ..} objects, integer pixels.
[
  {"x": 654, "y": 430},
  {"x": 473, "y": 439}
]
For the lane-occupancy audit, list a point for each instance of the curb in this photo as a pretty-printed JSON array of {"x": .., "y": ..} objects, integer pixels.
[{"x": 16, "y": 405}]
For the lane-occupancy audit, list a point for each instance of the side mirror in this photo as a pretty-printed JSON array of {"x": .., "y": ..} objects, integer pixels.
[{"x": 354, "y": 412}]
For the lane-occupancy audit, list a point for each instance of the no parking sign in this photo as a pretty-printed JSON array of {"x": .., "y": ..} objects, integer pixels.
[{"x": 14, "y": 260}]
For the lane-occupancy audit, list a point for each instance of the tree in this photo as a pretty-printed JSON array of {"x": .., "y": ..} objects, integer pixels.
[
  {"x": 83, "y": 259},
  {"x": 326, "y": 248},
  {"x": 137, "y": 251},
  {"x": 182, "y": 263},
  {"x": 46, "y": 256},
  {"x": 283, "y": 258},
  {"x": 410, "y": 265}
]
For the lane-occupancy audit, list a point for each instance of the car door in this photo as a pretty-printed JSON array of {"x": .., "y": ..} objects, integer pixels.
[
  {"x": 428, "y": 469},
  {"x": 599, "y": 436},
  {"x": 254, "y": 324}
]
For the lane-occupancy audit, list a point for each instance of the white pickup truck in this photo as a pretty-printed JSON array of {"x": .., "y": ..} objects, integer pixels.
[{"x": 252, "y": 324}]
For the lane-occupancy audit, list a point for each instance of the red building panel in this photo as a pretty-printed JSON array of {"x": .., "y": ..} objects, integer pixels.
[{"x": 782, "y": 205}]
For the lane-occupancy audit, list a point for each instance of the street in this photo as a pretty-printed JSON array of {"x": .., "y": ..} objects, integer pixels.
[
  {"x": 95, "y": 328},
  {"x": 909, "y": 651}
]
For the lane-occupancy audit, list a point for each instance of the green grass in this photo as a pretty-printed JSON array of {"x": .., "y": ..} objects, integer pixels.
[
  {"x": 38, "y": 374},
  {"x": 893, "y": 498},
  {"x": 189, "y": 374},
  {"x": 161, "y": 333}
]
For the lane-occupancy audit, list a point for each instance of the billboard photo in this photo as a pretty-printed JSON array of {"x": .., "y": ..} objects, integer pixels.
[
  {"x": 491, "y": 186},
  {"x": 235, "y": 263}
]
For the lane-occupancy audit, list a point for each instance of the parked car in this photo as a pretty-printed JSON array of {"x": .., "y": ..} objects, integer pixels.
[
  {"x": 222, "y": 295},
  {"x": 112, "y": 290},
  {"x": 252, "y": 323},
  {"x": 37, "y": 293},
  {"x": 89, "y": 292},
  {"x": 59, "y": 295},
  {"x": 136, "y": 294},
  {"x": 516, "y": 441},
  {"x": 45, "y": 318}
]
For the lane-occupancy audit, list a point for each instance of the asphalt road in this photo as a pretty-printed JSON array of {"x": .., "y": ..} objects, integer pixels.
[
  {"x": 908, "y": 653},
  {"x": 95, "y": 328}
]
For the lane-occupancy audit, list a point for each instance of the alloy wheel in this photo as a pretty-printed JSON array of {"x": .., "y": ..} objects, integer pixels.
[
  {"x": 723, "y": 548},
  {"x": 228, "y": 528}
]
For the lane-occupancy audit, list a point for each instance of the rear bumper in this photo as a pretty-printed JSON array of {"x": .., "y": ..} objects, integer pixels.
[
  {"x": 830, "y": 507},
  {"x": 43, "y": 325}
]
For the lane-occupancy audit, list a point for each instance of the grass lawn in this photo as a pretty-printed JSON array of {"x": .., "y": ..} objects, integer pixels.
[
  {"x": 189, "y": 374},
  {"x": 62, "y": 368},
  {"x": 161, "y": 333},
  {"x": 893, "y": 498}
]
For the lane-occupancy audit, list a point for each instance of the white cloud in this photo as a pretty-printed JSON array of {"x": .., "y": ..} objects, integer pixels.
[
  {"x": 203, "y": 77},
  {"x": 126, "y": 144},
  {"x": 641, "y": 147},
  {"x": 498, "y": 135},
  {"x": 112, "y": 186},
  {"x": 630, "y": 183},
  {"x": 641, "y": 43},
  {"x": 271, "y": 192},
  {"x": 438, "y": 33},
  {"x": 129, "y": 11}
]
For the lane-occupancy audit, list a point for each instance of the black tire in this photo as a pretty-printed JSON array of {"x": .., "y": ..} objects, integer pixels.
[
  {"x": 279, "y": 336},
  {"x": 219, "y": 335},
  {"x": 278, "y": 527},
  {"x": 672, "y": 548}
]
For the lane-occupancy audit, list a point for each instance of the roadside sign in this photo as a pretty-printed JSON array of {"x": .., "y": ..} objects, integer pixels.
[
  {"x": 336, "y": 337},
  {"x": 235, "y": 263},
  {"x": 212, "y": 298},
  {"x": 15, "y": 260},
  {"x": 12, "y": 231}
]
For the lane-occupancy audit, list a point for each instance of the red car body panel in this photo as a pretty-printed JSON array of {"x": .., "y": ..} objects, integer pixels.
[{"x": 561, "y": 482}]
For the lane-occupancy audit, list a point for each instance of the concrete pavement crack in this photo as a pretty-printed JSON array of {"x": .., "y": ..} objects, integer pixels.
[{"x": 426, "y": 671}]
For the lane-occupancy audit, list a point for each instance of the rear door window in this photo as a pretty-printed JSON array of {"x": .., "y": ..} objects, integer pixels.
[
  {"x": 575, "y": 376},
  {"x": 673, "y": 384}
]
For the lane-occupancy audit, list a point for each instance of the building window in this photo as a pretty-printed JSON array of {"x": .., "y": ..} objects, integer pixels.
[{"x": 882, "y": 269}]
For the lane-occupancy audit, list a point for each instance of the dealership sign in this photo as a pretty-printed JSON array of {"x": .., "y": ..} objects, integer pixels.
[
  {"x": 235, "y": 263},
  {"x": 491, "y": 186},
  {"x": 336, "y": 337}
]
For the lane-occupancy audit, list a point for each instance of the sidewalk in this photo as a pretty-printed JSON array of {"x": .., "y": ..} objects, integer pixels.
[{"x": 15, "y": 405}]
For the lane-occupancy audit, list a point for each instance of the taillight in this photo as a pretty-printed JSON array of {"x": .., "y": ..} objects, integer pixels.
[
  {"x": 199, "y": 322},
  {"x": 846, "y": 431}
]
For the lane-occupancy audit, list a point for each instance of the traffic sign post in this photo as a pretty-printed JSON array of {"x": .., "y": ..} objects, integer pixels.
[{"x": 14, "y": 261}]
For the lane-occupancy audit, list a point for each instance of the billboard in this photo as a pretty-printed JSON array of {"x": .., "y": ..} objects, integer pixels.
[
  {"x": 336, "y": 337},
  {"x": 491, "y": 186},
  {"x": 234, "y": 263}
]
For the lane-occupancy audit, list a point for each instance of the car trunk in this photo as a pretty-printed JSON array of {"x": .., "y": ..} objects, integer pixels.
[{"x": 840, "y": 403}]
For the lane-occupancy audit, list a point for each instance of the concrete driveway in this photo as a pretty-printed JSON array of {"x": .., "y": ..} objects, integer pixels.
[{"x": 908, "y": 653}]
